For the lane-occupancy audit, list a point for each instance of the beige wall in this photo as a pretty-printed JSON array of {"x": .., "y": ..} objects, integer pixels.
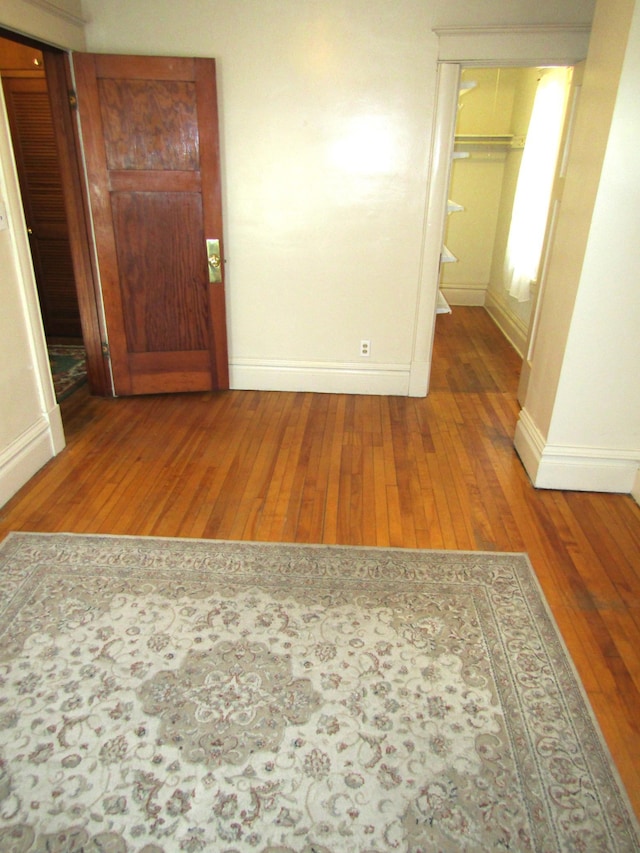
[
  {"x": 476, "y": 184},
  {"x": 30, "y": 426},
  {"x": 325, "y": 129},
  {"x": 327, "y": 112},
  {"x": 580, "y": 426}
]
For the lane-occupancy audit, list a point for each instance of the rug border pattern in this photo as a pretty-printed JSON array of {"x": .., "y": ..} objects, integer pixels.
[{"x": 148, "y": 553}]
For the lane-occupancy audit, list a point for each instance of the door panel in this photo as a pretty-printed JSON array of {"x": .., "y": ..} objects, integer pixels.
[
  {"x": 141, "y": 222},
  {"x": 134, "y": 109},
  {"x": 150, "y": 132}
]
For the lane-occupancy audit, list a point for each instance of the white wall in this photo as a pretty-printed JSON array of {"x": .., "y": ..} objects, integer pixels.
[
  {"x": 326, "y": 112},
  {"x": 30, "y": 426},
  {"x": 580, "y": 425},
  {"x": 325, "y": 129}
]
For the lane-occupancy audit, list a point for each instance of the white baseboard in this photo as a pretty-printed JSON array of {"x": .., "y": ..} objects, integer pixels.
[
  {"x": 464, "y": 294},
  {"x": 29, "y": 452},
  {"x": 583, "y": 469},
  {"x": 511, "y": 326},
  {"x": 321, "y": 377},
  {"x": 419, "y": 379},
  {"x": 529, "y": 444}
]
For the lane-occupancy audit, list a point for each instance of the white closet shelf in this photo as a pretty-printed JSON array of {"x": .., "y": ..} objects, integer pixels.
[{"x": 442, "y": 306}]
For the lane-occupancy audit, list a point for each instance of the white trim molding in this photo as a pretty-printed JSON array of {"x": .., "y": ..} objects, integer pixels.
[
  {"x": 584, "y": 469},
  {"x": 49, "y": 22},
  {"x": 561, "y": 44},
  {"x": 444, "y": 123},
  {"x": 248, "y": 374},
  {"x": 55, "y": 10},
  {"x": 511, "y": 326},
  {"x": 29, "y": 452},
  {"x": 465, "y": 294}
]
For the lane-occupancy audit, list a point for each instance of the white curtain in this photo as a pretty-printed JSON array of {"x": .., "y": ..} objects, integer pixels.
[{"x": 535, "y": 182}]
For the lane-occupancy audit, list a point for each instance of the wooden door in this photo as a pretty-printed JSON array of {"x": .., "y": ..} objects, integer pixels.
[
  {"x": 34, "y": 145},
  {"x": 150, "y": 136}
]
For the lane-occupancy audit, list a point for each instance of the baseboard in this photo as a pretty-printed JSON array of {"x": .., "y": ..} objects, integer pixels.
[
  {"x": 29, "y": 452},
  {"x": 582, "y": 469},
  {"x": 464, "y": 294},
  {"x": 419, "y": 379},
  {"x": 321, "y": 377},
  {"x": 511, "y": 326},
  {"x": 529, "y": 444}
]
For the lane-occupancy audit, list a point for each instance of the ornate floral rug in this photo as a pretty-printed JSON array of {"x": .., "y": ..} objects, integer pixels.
[{"x": 189, "y": 695}]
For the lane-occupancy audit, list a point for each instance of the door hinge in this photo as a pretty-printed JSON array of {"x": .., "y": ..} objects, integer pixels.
[
  {"x": 73, "y": 99},
  {"x": 105, "y": 350}
]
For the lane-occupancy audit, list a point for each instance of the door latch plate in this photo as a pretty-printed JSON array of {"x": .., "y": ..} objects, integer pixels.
[{"x": 214, "y": 261}]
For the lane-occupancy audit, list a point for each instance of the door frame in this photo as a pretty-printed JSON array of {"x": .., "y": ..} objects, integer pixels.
[
  {"x": 62, "y": 95},
  {"x": 554, "y": 209},
  {"x": 486, "y": 47},
  {"x": 58, "y": 75}
]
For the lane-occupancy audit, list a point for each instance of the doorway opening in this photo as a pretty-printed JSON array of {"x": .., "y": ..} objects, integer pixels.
[
  {"x": 498, "y": 117},
  {"x": 33, "y": 137},
  {"x": 67, "y": 218}
]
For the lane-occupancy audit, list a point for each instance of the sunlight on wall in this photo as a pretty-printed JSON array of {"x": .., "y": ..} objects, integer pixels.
[
  {"x": 535, "y": 182},
  {"x": 369, "y": 147}
]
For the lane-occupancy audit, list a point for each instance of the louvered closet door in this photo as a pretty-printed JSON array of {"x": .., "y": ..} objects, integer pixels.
[{"x": 41, "y": 187}]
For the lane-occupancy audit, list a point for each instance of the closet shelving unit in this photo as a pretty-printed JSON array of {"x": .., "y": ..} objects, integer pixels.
[{"x": 446, "y": 255}]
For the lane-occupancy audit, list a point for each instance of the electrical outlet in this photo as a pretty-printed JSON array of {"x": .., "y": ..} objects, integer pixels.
[{"x": 365, "y": 348}]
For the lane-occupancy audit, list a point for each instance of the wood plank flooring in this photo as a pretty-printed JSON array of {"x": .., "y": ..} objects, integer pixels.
[{"x": 439, "y": 472}]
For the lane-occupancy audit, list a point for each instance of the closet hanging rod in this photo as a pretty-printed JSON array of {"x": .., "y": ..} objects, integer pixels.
[{"x": 484, "y": 138}]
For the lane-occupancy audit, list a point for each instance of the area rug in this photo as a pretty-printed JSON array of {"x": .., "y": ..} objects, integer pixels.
[
  {"x": 68, "y": 368},
  {"x": 170, "y": 695}
]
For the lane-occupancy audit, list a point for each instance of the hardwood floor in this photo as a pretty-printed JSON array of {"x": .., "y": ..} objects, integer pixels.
[{"x": 439, "y": 472}]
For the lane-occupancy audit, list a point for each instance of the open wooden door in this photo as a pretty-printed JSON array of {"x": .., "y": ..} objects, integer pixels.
[{"x": 150, "y": 137}]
